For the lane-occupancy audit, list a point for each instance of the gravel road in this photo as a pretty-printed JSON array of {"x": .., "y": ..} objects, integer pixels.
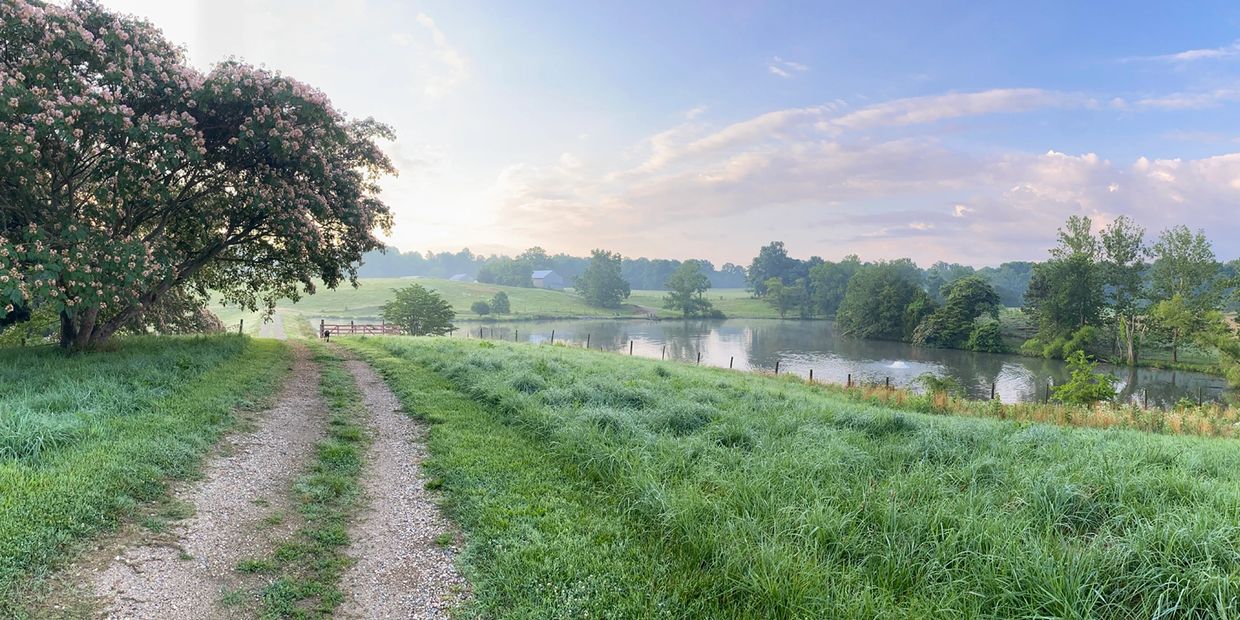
[
  {"x": 401, "y": 570},
  {"x": 183, "y": 573}
]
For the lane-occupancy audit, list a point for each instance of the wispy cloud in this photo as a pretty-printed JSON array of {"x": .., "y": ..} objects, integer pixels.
[
  {"x": 785, "y": 68},
  {"x": 931, "y": 108},
  {"x": 453, "y": 68},
  {"x": 1211, "y": 53},
  {"x": 1191, "y": 101}
]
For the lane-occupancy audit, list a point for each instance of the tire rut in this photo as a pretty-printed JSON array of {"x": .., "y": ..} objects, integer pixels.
[
  {"x": 183, "y": 574},
  {"x": 402, "y": 570}
]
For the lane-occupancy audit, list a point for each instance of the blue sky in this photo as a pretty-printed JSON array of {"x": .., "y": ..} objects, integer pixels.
[{"x": 933, "y": 130}]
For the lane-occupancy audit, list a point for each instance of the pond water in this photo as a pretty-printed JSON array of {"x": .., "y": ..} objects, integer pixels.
[{"x": 798, "y": 346}]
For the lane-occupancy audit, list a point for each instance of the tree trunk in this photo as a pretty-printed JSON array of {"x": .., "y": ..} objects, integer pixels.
[{"x": 1175, "y": 346}]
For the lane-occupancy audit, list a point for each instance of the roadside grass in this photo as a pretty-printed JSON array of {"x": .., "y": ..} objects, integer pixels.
[
  {"x": 305, "y": 571},
  {"x": 542, "y": 541},
  {"x": 86, "y": 440},
  {"x": 718, "y": 494}
]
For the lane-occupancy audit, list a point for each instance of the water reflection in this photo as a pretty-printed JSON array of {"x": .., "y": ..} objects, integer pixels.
[{"x": 798, "y": 346}]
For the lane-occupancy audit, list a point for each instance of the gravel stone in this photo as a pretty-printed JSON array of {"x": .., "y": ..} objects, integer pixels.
[
  {"x": 400, "y": 571},
  {"x": 182, "y": 575}
]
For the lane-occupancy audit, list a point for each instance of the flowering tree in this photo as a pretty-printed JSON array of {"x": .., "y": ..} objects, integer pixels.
[{"x": 127, "y": 174}]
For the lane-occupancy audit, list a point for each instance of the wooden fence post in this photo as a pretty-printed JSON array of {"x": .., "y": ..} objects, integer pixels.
[
  {"x": 811, "y": 375},
  {"x": 699, "y": 357},
  {"x": 321, "y": 327},
  {"x": 730, "y": 360},
  {"x": 241, "y": 326},
  {"x": 631, "y": 352},
  {"x": 587, "y": 341},
  {"x": 849, "y": 384},
  {"x": 992, "y": 390},
  {"x": 663, "y": 353},
  {"x": 553, "y": 336},
  {"x": 776, "y": 366},
  {"x": 888, "y": 383}
]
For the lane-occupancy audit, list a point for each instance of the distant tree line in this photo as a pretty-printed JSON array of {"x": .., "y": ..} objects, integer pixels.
[
  {"x": 815, "y": 287},
  {"x": 640, "y": 273},
  {"x": 1105, "y": 294}
]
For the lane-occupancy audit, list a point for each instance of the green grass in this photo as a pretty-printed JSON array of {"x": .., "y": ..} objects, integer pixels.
[
  {"x": 595, "y": 485},
  {"x": 85, "y": 440},
  {"x": 304, "y": 572},
  {"x": 366, "y": 301}
]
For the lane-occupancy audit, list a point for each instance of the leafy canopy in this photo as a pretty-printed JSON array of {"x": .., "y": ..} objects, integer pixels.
[
  {"x": 419, "y": 311},
  {"x": 500, "y": 304},
  {"x": 129, "y": 174},
  {"x": 601, "y": 283},
  {"x": 686, "y": 290}
]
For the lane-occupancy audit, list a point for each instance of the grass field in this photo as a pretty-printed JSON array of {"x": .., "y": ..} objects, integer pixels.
[
  {"x": 595, "y": 485},
  {"x": 85, "y": 439},
  {"x": 366, "y": 301}
]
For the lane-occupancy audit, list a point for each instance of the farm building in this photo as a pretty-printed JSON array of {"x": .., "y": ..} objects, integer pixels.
[
  {"x": 461, "y": 277},
  {"x": 548, "y": 279}
]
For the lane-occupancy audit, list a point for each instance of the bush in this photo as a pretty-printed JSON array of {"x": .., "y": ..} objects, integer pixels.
[
  {"x": 986, "y": 337},
  {"x": 480, "y": 307},
  {"x": 1086, "y": 387}
]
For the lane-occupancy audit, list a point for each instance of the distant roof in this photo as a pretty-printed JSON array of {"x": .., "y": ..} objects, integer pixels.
[
  {"x": 542, "y": 273},
  {"x": 459, "y": 277}
]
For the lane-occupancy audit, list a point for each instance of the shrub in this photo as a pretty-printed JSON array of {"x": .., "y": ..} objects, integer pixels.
[
  {"x": 1086, "y": 386},
  {"x": 986, "y": 338},
  {"x": 480, "y": 308}
]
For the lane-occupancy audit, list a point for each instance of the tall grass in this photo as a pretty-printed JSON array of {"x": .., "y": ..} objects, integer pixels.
[
  {"x": 750, "y": 496},
  {"x": 84, "y": 439}
]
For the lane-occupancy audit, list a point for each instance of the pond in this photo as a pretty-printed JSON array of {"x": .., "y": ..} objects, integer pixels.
[{"x": 798, "y": 346}]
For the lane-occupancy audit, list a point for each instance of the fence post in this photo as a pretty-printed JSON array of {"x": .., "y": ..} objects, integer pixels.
[
  {"x": 241, "y": 326},
  {"x": 811, "y": 375},
  {"x": 849, "y": 384},
  {"x": 730, "y": 360},
  {"x": 776, "y": 366},
  {"x": 321, "y": 327},
  {"x": 887, "y": 383},
  {"x": 1145, "y": 398},
  {"x": 992, "y": 390},
  {"x": 699, "y": 357},
  {"x": 514, "y": 334},
  {"x": 631, "y": 352},
  {"x": 553, "y": 336},
  {"x": 663, "y": 353},
  {"x": 587, "y": 341}
]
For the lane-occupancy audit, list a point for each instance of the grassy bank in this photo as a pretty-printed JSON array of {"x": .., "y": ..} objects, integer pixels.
[
  {"x": 85, "y": 439},
  {"x": 728, "y": 495}
]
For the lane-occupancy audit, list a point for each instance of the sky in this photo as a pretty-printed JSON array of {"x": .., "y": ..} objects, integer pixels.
[{"x": 965, "y": 132}]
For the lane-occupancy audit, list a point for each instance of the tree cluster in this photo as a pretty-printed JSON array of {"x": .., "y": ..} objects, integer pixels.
[{"x": 1112, "y": 293}]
